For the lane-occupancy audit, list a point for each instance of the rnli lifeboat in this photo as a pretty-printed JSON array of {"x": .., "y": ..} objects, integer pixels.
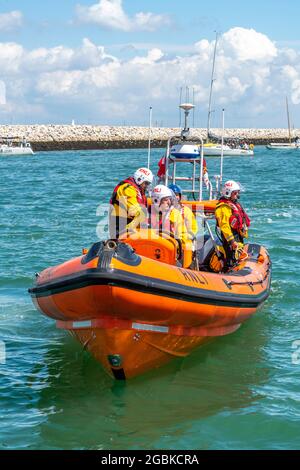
[{"x": 135, "y": 305}]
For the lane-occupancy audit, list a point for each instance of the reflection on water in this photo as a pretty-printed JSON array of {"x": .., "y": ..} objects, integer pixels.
[{"x": 147, "y": 411}]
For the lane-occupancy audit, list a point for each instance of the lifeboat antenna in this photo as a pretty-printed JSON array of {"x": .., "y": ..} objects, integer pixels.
[
  {"x": 222, "y": 148},
  {"x": 150, "y": 135},
  {"x": 211, "y": 87},
  {"x": 180, "y": 99},
  {"x": 187, "y": 107}
]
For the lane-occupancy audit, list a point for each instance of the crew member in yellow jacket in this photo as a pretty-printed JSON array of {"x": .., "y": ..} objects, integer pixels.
[
  {"x": 164, "y": 217},
  {"x": 187, "y": 215},
  {"x": 232, "y": 221},
  {"x": 129, "y": 203}
]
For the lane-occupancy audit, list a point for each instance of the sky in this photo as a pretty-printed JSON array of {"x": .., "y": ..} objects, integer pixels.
[{"x": 108, "y": 61}]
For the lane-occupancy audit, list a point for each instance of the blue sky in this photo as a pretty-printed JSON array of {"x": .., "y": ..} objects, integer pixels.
[
  {"x": 107, "y": 61},
  {"x": 46, "y": 22}
]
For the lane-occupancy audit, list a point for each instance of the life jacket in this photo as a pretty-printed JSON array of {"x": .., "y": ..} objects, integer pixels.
[
  {"x": 239, "y": 220},
  {"x": 141, "y": 197},
  {"x": 157, "y": 221}
]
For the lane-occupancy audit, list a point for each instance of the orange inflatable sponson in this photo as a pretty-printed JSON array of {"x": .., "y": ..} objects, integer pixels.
[
  {"x": 208, "y": 207},
  {"x": 134, "y": 313}
]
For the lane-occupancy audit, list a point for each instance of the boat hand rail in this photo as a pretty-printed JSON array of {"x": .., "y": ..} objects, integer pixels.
[
  {"x": 229, "y": 283},
  {"x": 210, "y": 189},
  {"x": 184, "y": 139}
]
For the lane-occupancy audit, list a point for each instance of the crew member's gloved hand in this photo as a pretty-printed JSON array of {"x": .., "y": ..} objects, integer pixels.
[
  {"x": 216, "y": 264},
  {"x": 238, "y": 248}
]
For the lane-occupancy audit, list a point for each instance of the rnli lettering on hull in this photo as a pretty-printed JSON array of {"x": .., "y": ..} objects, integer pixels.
[{"x": 191, "y": 276}]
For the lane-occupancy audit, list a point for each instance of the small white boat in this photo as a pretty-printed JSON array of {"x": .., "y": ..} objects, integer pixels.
[
  {"x": 286, "y": 145},
  {"x": 215, "y": 150},
  {"x": 15, "y": 146},
  {"x": 283, "y": 146},
  {"x": 189, "y": 150}
]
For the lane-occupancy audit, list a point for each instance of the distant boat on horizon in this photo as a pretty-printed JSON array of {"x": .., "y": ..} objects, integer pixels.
[{"x": 286, "y": 145}]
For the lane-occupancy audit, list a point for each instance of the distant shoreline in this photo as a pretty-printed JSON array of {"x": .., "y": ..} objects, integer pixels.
[{"x": 87, "y": 137}]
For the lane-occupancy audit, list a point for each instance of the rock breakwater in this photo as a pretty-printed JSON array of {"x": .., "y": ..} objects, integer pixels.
[{"x": 77, "y": 137}]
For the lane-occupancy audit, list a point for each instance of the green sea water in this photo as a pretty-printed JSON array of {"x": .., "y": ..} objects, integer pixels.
[{"x": 241, "y": 391}]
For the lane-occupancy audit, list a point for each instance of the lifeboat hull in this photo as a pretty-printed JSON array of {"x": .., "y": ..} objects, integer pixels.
[{"x": 135, "y": 314}]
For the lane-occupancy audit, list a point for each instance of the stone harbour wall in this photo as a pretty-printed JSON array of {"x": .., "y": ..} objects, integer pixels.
[{"x": 77, "y": 137}]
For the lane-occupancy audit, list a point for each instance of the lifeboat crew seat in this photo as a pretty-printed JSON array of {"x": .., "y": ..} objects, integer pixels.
[
  {"x": 148, "y": 243},
  {"x": 204, "y": 253}
]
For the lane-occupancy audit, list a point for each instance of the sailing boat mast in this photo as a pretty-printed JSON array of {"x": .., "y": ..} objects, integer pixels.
[
  {"x": 211, "y": 86},
  {"x": 288, "y": 118}
]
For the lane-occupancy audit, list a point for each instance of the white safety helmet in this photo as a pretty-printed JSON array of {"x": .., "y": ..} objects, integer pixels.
[
  {"x": 143, "y": 175},
  {"x": 159, "y": 192},
  {"x": 229, "y": 187}
]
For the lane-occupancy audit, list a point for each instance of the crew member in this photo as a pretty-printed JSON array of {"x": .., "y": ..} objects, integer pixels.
[
  {"x": 232, "y": 221},
  {"x": 164, "y": 216},
  {"x": 129, "y": 203},
  {"x": 186, "y": 213}
]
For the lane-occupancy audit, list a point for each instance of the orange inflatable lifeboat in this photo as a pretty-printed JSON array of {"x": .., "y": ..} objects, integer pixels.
[{"x": 134, "y": 307}]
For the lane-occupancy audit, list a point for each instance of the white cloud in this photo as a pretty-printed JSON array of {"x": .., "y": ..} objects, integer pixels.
[
  {"x": 11, "y": 55},
  {"x": 292, "y": 76},
  {"x": 11, "y": 21},
  {"x": 2, "y": 93},
  {"x": 289, "y": 72},
  {"x": 58, "y": 57},
  {"x": 150, "y": 21},
  {"x": 253, "y": 76},
  {"x": 110, "y": 14},
  {"x": 77, "y": 82},
  {"x": 153, "y": 56},
  {"x": 65, "y": 58},
  {"x": 247, "y": 44}
]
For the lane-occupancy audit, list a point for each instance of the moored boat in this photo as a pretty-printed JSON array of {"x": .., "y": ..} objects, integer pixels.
[
  {"x": 15, "y": 146},
  {"x": 215, "y": 150},
  {"x": 191, "y": 150},
  {"x": 283, "y": 146},
  {"x": 286, "y": 145}
]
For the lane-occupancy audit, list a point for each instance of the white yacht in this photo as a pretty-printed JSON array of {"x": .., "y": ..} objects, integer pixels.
[
  {"x": 215, "y": 150},
  {"x": 209, "y": 150},
  {"x": 286, "y": 145},
  {"x": 212, "y": 149},
  {"x": 15, "y": 146}
]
